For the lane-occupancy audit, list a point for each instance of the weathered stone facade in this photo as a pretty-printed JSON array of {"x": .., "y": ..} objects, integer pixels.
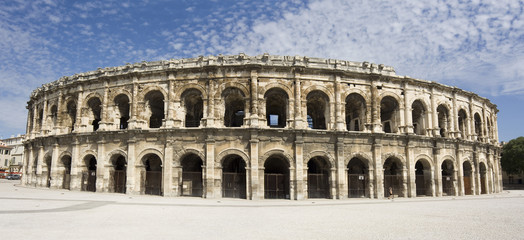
[{"x": 260, "y": 127}]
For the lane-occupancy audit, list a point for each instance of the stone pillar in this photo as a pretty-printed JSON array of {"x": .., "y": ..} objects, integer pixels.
[
  {"x": 55, "y": 183},
  {"x": 333, "y": 183},
  {"x": 131, "y": 186},
  {"x": 438, "y": 172},
  {"x": 79, "y": 109},
  {"x": 212, "y": 191},
  {"x": 376, "y": 125},
  {"x": 371, "y": 181},
  {"x": 460, "y": 167},
  {"x": 408, "y": 118},
  {"x": 170, "y": 116},
  {"x": 76, "y": 172},
  {"x": 169, "y": 189},
  {"x": 379, "y": 168},
  {"x": 255, "y": 184},
  {"x": 299, "y": 121},
  {"x": 341, "y": 174},
  {"x": 28, "y": 159},
  {"x": 455, "y": 185},
  {"x": 455, "y": 127},
  {"x": 104, "y": 118},
  {"x": 43, "y": 124},
  {"x": 299, "y": 168},
  {"x": 59, "y": 122},
  {"x": 253, "y": 118},
  {"x": 101, "y": 167},
  {"x": 132, "y": 123},
  {"x": 410, "y": 166},
  {"x": 405, "y": 182},
  {"x": 434, "y": 127},
  {"x": 39, "y": 177}
]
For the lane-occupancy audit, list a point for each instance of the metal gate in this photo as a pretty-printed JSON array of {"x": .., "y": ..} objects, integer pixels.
[
  {"x": 317, "y": 185},
  {"x": 447, "y": 186},
  {"x": 195, "y": 187},
  {"x": 119, "y": 181},
  {"x": 234, "y": 185},
  {"x": 467, "y": 185},
  {"x": 89, "y": 181},
  {"x": 153, "y": 183},
  {"x": 395, "y": 182},
  {"x": 357, "y": 185},
  {"x": 66, "y": 181},
  {"x": 420, "y": 184},
  {"x": 276, "y": 186}
]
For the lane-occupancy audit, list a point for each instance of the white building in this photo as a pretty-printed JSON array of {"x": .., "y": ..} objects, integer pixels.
[{"x": 12, "y": 160}]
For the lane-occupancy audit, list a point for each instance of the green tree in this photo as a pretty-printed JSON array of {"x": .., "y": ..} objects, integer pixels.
[{"x": 513, "y": 156}]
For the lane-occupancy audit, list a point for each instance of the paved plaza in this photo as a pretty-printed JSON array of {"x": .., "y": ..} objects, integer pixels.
[{"x": 28, "y": 213}]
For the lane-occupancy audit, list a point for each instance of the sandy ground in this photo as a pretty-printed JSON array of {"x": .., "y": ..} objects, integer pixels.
[{"x": 28, "y": 213}]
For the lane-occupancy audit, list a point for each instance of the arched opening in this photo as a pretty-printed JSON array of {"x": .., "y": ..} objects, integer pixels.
[
  {"x": 152, "y": 178},
  {"x": 233, "y": 177},
  {"x": 118, "y": 175},
  {"x": 418, "y": 116},
  {"x": 483, "y": 184},
  {"x": 423, "y": 178},
  {"x": 462, "y": 123},
  {"x": 155, "y": 108},
  {"x": 478, "y": 125},
  {"x": 54, "y": 115},
  {"x": 66, "y": 164},
  {"x": 95, "y": 107},
  {"x": 317, "y": 109},
  {"x": 71, "y": 114},
  {"x": 48, "y": 171},
  {"x": 389, "y": 115},
  {"x": 466, "y": 167},
  {"x": 276, "y": 178},
  {"x": 89, "y": 174},
  {"x": 318, "y": 170},
  {"x": 443, "y": 120},
  {"x": 194, "y": 107},
  {"x": 358, "y": 179},
  {"x": 122, "y": 105},
  {"x": 234, "y": 107},
  {"x": 192, "y": 176},
  {"x": 355, "y": 112},
  {"x": 393, "y": 177},
  {"x": 276, "y": 107},
  {"x": 448, "y": 188}
]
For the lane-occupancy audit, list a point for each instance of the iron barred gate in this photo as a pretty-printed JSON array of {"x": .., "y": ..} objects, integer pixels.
[
  {"x": 234, "y": 185},
  {"x": 395, "y": 182},
  {"x": 89, "y": 181},
  {"x": 276, "y": 186},
  {"x": 192, "y": 184},
  {"x": 153, "y": 183},
  {"x": 357, "y": 185},
  {"x": 447, "y": 186},
  {"x": 318, "y": 185}
]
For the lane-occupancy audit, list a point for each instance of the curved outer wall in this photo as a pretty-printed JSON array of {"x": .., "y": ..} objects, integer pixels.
[{"x": 317, "y": 117}]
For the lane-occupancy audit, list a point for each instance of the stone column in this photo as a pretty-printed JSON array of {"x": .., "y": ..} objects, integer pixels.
[
  {"x": 341, "y": 182},
  {"x": 371, "y": 181},
  {"x": 438, "y": 172},
  {"x": 435, "y": 127},
  {"x": 59, "y": 122},
  {"x": 253, "y": 147},
  {"x": 460, "y": 166},
  {"x": 76, "y": 172},
  {"x": 379, "y": 168},
  {"x": 405, "y": 182},
  {"x": 376, "y": 125},
  {"x": 169, "y": 189},
  {"x": 39, "y": 177},
  {"x": 55, "y": 183},
  {"x": 27, "y": 175},
  {"x": 43, "y": 125},
  {"x": 408, "y": 119},
  {"x": 79, "y": 108},
  {"x": 104, "y": 119},
  {"x": 131, "y": 181},
  {"x": 333, "y": 183},
  {"x": 212, "y": 191},
  {"x": 455, "y": 185},
  {"x": 340, "y": 120},
  {"x": 299, "y": 120},
  {"x": 132, "y": 123},
  {"x": 410, "y": 166},
  {"x": 455, "y": 127},
  {"x": 170, "y": 117},
  {"x": 254, "y": 100},
  {"x": 299, "y": 168},
  {"x": 102, "y": 168}
]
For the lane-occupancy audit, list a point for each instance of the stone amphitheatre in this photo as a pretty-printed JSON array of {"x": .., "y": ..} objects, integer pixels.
[{"x": 255, "y": 127}]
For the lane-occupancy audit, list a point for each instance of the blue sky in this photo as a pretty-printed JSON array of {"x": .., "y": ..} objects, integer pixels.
[{"x": 474, "y": 45}]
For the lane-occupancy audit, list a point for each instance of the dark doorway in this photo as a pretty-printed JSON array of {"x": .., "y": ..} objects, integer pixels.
[
  {"x": 318, "y": 178},
  {"x": 447, "y": 178},
  {"x": 276, "y": 178},
  {"x": 192, "y": 176},
  {"x": 393, "y": 177},
  {"x": 66, "y": 180},
  {"x": 467, "y": 178},
  {"x": 153, "y": 175},
  {"x": 357, "y": 179},
  {"x": 89, "y": 176},
  {"x": 234, "y": 177},
  {"x": 423, "y": 178},
  {"x": 119, "y": 174},
  {"x": 482, "y": 168}
]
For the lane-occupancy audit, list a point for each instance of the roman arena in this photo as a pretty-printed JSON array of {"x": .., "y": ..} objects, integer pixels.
[{"x": 260, "y": 127}]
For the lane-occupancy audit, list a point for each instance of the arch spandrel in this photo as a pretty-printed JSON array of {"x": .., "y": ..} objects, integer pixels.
[
  {"x": 114, "y": 153},
  {"x": 186, "y": 87},
  {"x": 426, "y": 158},
  {"x": 322, "y": 89},
  {"x": 365, "y": 158},
  {"x": 280, "y": 152},
  {"x": 147, "y": 151},
  {"x": 243, "y": 89},
  {"x": 276, "y": 85},
  {"x": 178, "y": 156},
  {"x": 141, "y": 96},
  {"x": 90, "y": 96},
  {"x": 231, "y": 151},
  {"x": 320, "y": 153},
  {"x": 395, "y": 96},
  {"x": 400, "y": 157}
]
